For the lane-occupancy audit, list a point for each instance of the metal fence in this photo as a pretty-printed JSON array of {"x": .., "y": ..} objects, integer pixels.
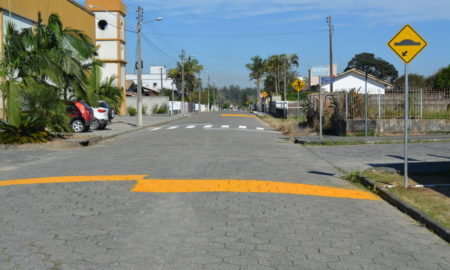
[{"x": 424, "y": 103}]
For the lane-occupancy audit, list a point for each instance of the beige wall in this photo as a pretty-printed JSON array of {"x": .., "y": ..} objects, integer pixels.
[{"x": 72, "y": 14}]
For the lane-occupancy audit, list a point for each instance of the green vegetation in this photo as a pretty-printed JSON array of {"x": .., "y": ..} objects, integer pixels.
[
  {"x": 271, "y": 73},
  {"x": 375, "y": 66},
  {"x": 192, "y": 80},
  {"x": 43, "y": 67},
  {"x": 164, "y": 109},
  {"x": 432, "y": 203},
  {"x": 29, "y": 130},
  {"x": 132, "y": 111}
]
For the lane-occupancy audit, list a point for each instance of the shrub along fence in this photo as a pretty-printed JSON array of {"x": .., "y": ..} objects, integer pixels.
[{"x": 425, "y": 103}]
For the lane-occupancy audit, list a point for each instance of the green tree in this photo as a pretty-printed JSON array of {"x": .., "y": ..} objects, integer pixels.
[
  {"x": 192, "y": 69},
  {"x": 99, "y": 89},
  {"x": 257, "y": 69},
  {"x": 442, "y": 78},
  {"x": 40, "y": 65},
  {"x": 375, "y": 66},
  {"x": 413, "y": 80}
]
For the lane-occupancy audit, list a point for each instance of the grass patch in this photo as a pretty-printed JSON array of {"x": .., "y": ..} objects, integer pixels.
[
  {"x": 287, "y": 126},
  {"x": 429, "y": 201}
]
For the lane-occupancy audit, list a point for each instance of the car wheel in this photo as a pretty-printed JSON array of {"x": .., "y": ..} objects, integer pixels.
[
  {"x": 111, "y": 113},
  {"x": 95, "y": 124},
  {"x": 101, "y": 127},
  {"x": 77, "y": 126}
]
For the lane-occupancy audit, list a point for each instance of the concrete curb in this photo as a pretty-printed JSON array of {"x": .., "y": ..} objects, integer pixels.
[
  {"x": 326, "y": 141},
  {"x": 416, "y": 214},
  {"x": 80, "y": 142}
]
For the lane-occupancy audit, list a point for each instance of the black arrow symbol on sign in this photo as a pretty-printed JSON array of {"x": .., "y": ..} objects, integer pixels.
[{"x": 405, "y": 53}]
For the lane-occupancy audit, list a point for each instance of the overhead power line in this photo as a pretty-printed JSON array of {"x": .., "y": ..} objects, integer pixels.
[{"x": 239, "y": 35}]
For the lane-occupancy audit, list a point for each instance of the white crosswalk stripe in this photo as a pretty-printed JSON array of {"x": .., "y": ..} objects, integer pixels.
[
  {"x": 225, "y": 126},
  {"x": 208, "y": 126},
  {"x": 190, "y": 127},
  {"x": 243, "y": 127},
  {"x": 174, "y": 127},
  {"x": 259, "y": 128}
]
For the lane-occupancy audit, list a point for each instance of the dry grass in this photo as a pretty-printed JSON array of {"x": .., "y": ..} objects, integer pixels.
[
  {"x": 287, "y": 126},
  {"x": 431, "y": 202}
]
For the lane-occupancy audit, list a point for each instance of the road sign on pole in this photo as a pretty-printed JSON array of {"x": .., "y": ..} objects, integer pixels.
[
  {"x": 298, "y": 85},
  {"x": 407, "y": 44}
]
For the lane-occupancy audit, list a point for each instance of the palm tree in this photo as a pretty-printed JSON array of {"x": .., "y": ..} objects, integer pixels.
[
  {"x": 40, "y": 65},
  {"x": 99, "y": 89},
  {"x": 192, "y": 69},
  {"x": 257, "y": 70}
]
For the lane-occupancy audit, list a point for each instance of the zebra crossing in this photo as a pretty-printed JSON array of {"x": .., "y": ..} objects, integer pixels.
[{"x": 209, "y": 126}]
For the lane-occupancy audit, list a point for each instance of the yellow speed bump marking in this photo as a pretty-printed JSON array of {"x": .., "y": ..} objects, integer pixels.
[
  {"x": 205, "y": 185},
  {"x": 188, "y": 185},
  {"x": 237, "y": 115},
  {"x": 72, "y": 179}
]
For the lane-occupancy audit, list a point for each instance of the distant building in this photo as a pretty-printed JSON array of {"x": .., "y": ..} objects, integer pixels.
[
  {"x": 316, "y": 72},
  {"x": 155, "y": 80},
  {"x": 355, "y": 79}
]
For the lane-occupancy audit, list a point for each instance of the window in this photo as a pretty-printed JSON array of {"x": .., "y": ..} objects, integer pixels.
[{"x": 102, "y": 24}]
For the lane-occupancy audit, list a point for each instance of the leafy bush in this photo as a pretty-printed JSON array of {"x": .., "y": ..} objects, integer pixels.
[
  {"x": 160, "y": 109},
  {"x": 29, "y": 130},
  {"x": 132, "y": 111}
]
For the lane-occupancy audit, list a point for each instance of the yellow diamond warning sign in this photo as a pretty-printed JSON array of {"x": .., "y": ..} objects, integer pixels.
[
  {"x": 407, "y": 44},
  {"x": 298, "y": 85}
]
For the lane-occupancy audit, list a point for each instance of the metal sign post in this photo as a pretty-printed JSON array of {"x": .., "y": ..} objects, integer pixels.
[
  {"x": 320, "y": 108},
  {"x": 298, "y": 106},
  {"x": 366, "y": 124},
  {"x": 405, "y": 149},
  {"x": 407, "y": 44}
]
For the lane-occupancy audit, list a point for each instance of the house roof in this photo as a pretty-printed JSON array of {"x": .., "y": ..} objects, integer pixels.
[{"x": 360, "y": 72}]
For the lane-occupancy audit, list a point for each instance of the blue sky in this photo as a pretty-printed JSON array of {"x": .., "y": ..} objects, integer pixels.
[{"x": 224, "y": 34}]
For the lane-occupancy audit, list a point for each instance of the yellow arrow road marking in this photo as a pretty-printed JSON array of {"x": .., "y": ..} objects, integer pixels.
[
  {"x": 254, "y": 186},
  {"x": 204, "y": 185}
]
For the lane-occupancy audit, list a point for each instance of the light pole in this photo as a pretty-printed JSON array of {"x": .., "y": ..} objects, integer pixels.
[
  {"x": 139, "y": 63},
  {"x": 182, "y": 82}
]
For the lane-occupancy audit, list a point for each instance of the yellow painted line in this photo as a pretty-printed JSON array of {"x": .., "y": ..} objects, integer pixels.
[
  {"x": 72, "y": 179},
  {"x": 237, "y": 115},
  {"x": 190, "y": 185}
]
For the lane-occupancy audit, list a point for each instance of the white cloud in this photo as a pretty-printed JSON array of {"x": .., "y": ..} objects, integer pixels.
[{"x": 381, "y": 11}]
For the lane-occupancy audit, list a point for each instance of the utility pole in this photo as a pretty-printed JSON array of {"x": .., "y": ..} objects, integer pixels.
[
  {"x": 139, "y": 67},
  {"x": 182, "y": 82},
  {"x": 330, "y": 30},
  {"x": 208, "y": 93},
  {"x": 200, "y": 93},
  {"x": 161, "y": 91},
  {"x": 284, "y": 86}
]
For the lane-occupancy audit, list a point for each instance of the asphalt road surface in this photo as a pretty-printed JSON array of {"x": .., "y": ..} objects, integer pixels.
[{"x": 208, "y": 192}]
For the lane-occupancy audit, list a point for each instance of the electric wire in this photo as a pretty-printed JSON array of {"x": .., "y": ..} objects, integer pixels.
[{"x": 238, "y": 35}]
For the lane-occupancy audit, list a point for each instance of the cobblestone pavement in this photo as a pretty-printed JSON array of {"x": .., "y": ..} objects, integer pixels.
[{"x": 103, "y": 225}]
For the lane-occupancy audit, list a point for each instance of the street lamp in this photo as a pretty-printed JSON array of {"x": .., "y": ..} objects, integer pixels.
[{"x": 139, "y": 63}]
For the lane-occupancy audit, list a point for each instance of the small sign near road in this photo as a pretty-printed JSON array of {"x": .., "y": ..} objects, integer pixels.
[
  {"x": 264, "y": 94},
  {"x": 325, "y": 80},
  {"x": 407, "y": 44},
  {"x": 298, "y": 85}
]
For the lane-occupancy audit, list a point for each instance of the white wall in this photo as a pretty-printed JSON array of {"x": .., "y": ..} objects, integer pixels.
[
  {"x": 357, "y": 81},
  {"x": 149, "y": 102},
  {"x": 112, "y": 27},
  {"x": 19, "y": 22},
  {"x": 153, "y": 80},
  {"x": 110, "y": 69},
  {"x": 107, "y": 50}
]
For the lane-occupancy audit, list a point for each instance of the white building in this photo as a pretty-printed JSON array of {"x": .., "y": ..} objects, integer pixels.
[
  {"x": 155, "y": 80},
  {"x": 355, "y": 79},
  {"x": 110, "y": 38}
]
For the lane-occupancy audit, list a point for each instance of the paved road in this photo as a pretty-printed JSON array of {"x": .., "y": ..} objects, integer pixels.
[{"x": 104, "y": 225}]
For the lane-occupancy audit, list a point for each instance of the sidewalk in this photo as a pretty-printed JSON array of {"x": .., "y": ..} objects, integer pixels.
[
  {"x": 120, "y": 125},
  {"x": 315, "y": 139}
]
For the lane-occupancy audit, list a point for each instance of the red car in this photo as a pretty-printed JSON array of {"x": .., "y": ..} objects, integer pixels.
[{"x": 81, "y": 116}]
